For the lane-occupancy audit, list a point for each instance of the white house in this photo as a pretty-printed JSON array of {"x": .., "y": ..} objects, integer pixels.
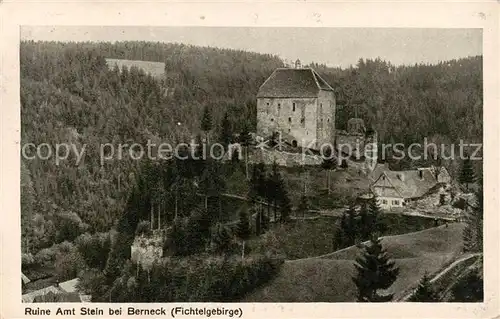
[{"x": 396, "y": 188}]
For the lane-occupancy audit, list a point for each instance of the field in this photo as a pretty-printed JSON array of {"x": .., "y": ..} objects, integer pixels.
[
  {"x": 328, "y": 278},
  {"x": 314, "y": 237}
]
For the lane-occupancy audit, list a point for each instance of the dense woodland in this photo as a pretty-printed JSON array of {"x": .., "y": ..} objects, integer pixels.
[{"x": 68, "y": 95}]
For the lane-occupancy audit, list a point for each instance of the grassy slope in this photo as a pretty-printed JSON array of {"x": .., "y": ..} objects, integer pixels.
[{"x": 328, "y": 279}]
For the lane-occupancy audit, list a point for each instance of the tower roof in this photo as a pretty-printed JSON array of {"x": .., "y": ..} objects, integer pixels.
[{"x": 299, "y": 83}]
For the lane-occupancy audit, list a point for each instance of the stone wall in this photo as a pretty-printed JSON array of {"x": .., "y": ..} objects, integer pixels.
[
  {"x": 282, "y": 158},
  {"x": 146, "y": 250},
  {"x": 291, "y": 116},
  {"x": 351, "y": 144},
  {"x": 325, "y": 132}
]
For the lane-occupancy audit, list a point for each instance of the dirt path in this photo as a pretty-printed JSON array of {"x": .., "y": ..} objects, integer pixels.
[{"x": 443, "y": 272}]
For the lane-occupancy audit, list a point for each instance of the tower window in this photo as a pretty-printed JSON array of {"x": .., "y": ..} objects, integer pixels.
[
  {"x": 279, "y": 104},
  {"x": 290, "y": 120},
  {"x": 267, "y": 103},
  {"x": 293, "y": 107},
  {"x": 328, "y": 120}
]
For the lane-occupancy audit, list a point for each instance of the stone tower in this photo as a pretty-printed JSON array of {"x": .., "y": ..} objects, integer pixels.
[{"x": 299, "y": 105}]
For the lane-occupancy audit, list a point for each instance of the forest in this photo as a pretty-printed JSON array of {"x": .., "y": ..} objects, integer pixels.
[{"x": 69, "y": 95}]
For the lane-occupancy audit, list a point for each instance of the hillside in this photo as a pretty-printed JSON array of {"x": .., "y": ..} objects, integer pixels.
[
  {"x": 69, "y": 95},
  {"x": 328, "y": 278}
]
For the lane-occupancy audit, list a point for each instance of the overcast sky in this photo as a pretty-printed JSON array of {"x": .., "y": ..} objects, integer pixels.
[{"x": 332, "y": 46}]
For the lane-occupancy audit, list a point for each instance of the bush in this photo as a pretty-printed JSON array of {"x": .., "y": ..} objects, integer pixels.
[
  {"x": 469, "y": 288},
  {"x": 94, "y": 249},
  {"x": 459, "y": 203},
  {"x": 143, "y": 228},
  {"x": 27, "y": 260}
]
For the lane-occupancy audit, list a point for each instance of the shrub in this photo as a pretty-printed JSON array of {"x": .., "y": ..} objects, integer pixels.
[
  {"x": 143, "y": 228},
  {"x": 459, "y": 203}
]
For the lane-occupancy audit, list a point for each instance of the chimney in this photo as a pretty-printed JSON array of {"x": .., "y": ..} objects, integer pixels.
[{"x": 298, "y": 65}]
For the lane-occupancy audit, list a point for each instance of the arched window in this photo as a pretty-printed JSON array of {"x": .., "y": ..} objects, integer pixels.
[{"x": 294, "y": 143}]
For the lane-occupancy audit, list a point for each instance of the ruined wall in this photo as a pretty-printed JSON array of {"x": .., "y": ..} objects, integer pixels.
[
  {"x": 350, "y": 144},
  {"x": 292, "y": 116},
  {"x": 325, "y": 128},
  {"x": 268, "y": 157},
  {"x": 146, "y": 250}
]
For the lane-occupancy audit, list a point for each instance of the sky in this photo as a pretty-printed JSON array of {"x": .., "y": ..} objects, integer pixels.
[{"x": 340, "y": 47}]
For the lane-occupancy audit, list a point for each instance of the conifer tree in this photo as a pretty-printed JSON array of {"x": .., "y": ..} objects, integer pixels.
[
  {"x": 365, "y": 226},
  {"x": 303, "y": 206},
  {"x": 206, "y": 122},
  {"x": 257, "y": 187},
  {"x": 258, "y": 222},
  {"x": 277, "y": 194},
  {"x": 243, "y": 230},
  {"x": 213, "y": 184},
  {"x": 374, "y": 272},
  {"x": 473, "y": 231},
  {"x": 467, "y": 175},
  {"x": 375, "y": 224},
  {"x": 425, "y": 292},
  {"x": 328, "y": 164},
  {"x": 469, "y": 288},
  {"x": 225, "y": 131},
  {"x": 351, "y": 228},
  {"x": 221, "y": 239},
  {"x": 285, "y": 207},
  {"x": 198, "y": 156},
  {"x": 245, "y": 141},
  {"x": 338, "y": 237}
]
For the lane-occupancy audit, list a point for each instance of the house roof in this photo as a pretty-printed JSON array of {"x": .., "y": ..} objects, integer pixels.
[
  {"x": 298, "y": 83},
  {"x": 70, "y": 285},
  {"x": 406, "y": 184},
  {"x": 58, "y": 297},
  {"x": 24, "y": 278},
  {"x": 30, "y": 297}
]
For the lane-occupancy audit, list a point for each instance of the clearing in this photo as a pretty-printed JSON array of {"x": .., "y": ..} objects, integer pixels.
[{"x": 328, "y": 278}]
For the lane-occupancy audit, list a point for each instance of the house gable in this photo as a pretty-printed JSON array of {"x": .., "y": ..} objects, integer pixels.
[{"x": 386, "y": 187}]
